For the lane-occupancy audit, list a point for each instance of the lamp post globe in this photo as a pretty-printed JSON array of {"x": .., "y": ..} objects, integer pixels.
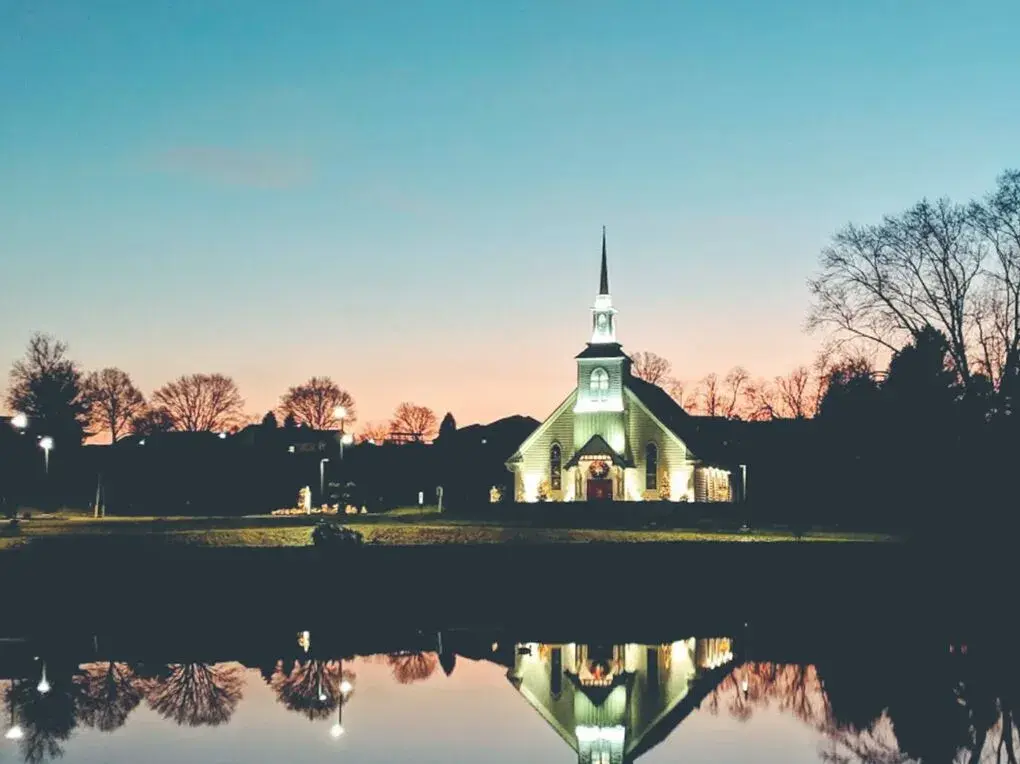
[{"x": 19, "y": 421}]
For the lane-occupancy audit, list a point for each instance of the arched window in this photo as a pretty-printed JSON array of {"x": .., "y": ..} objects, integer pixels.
[
  {"x": 598, "y": 385},
  {"x": 651, "y": 467},
  {"x": 555, "y": 460}
]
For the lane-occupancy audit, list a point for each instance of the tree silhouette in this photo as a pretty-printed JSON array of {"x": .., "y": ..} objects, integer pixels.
[
  {"x": 47, "y": 387},
  {"x": 311, "y": 687},
  {"x": 152, "y": 421},
  {"x": 446, "y": 428},
  {"x": 200, "y": 402},
  {"x": 650, "y": 367},
  {"x": 197, "y": 694},
  {"x": 314, "y": 402},
  {"x": 412, "y": 667},
  {"x": 884, "y": 283},
  {"x": 269, "y": 421},
  {"x": 290, "y": 422},
  {"x": 115, "y": 401},
  {"x": 377, "y": 432},
  {"x": 416, "y": 422},
  {"x": 107, "y": 693}
]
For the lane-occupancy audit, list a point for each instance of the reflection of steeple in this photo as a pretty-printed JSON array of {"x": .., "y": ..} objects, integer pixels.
[{"x": 613, "y": 703}]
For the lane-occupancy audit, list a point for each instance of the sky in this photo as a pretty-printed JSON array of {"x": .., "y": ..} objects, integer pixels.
[{"x": 408, "y": 196}]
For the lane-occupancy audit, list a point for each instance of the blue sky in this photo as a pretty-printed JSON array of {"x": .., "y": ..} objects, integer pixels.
[{"x": 408, "y": 196}]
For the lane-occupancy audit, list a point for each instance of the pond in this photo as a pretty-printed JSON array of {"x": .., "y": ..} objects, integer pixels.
[{"x": 588, "y": 688}]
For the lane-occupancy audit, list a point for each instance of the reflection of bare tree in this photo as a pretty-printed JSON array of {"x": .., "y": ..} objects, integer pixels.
[
  {"x": 107, "y": 693},
  {"x": 789, "y": 688},
  {"x": 46, "y": 720},
  {"x": 412, "y": 667},
  {"x": 974, "y": 726},
  {"x": 196, "y": 694},
  {"x": 311, "y": 687}
]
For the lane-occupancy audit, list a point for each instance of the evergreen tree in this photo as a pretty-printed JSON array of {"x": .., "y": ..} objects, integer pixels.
[
  {"x": 446, "y": 428},
  {"x": 269, "y": 421}
]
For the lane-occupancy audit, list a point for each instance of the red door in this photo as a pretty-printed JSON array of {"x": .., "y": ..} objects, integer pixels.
[{"x": 600, "y": 490}]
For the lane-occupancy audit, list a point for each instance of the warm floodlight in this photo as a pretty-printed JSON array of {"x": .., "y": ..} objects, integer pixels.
[{"x": 20, "y": 421}]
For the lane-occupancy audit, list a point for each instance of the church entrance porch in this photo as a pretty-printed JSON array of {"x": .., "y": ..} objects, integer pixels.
[{"x": 599, "y": 480}]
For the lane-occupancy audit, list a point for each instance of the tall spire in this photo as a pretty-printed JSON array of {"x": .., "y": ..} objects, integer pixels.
[{"x": 604, "y": 275}]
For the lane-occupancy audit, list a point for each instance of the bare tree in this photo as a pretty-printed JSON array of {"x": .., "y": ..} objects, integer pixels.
[
  {"x": 417, "y": 422},
  {"x": 885, "y": 283},
  {"x": 651, "y": 367},
  {"x": 314, "y": 404},
  {"x": 377, "y": 432},
  {"x": 201, "y": 402},
  {"x": 710, "y": 394},
  {"x": 115, "y": 401},
  {"x": 151, "y": 421},
  {"x": 734, "y": 389},
  {"x": 997, "y": 316},
  {"x": 197, "y": 694}
]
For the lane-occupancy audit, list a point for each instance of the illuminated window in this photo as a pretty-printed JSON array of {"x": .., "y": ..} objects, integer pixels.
[
  {"x": 599, "y": 385},
  {"x": 651, "y": 467},
  {"x": 555, "y": 460}
]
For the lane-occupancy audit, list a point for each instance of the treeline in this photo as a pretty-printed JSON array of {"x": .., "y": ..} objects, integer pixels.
[{"x": 58, "y": 399}]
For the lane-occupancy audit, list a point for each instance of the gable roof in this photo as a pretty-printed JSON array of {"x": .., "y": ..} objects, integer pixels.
[
  {"x": 603, "y": 350},
  {"x": 700, "y": 434},
  {"x": 546, "y": 424},
  {"x": 597, "y": 446}
]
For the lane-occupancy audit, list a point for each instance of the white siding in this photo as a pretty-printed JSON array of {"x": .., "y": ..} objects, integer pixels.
[{"x": 534, "y": 465}]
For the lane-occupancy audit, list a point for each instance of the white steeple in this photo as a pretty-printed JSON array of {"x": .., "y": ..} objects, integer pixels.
[{"x": 603, "y": 314}]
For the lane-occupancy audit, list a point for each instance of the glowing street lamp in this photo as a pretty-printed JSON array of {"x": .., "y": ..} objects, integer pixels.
[
  {"x": 46, "y": 444},
  {"x": 16, "y": 733},
  {"x": 19, "y": 421},
  {"x": 345, "y": 440}
]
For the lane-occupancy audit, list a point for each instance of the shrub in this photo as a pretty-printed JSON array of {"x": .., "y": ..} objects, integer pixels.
[{"x": 332, "y": 535}]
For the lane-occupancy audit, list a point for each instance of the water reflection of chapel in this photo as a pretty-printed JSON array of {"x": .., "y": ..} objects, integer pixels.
[{"x": 612, "y": 703}]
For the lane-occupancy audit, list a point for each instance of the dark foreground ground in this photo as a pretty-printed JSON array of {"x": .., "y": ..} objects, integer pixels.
[{"x": 102, "y": 584}]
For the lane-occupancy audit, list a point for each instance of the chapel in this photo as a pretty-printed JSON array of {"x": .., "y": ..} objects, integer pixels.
[{"x": 616, "y": 437}]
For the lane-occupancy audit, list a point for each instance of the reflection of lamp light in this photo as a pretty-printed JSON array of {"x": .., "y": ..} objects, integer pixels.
[
  {"x": 336, "y": 730},
  {"x": 44, "y": 686},
  {"x": 46, "y": 444}
]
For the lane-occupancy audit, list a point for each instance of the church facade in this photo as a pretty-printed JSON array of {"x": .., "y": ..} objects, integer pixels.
[{"x": 616, "y": 437}]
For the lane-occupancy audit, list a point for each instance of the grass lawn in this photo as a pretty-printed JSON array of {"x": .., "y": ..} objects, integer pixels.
[{"x": 396, "y": 528}]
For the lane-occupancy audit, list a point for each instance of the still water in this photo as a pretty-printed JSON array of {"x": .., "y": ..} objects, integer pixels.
[{"x": 461, "y": 694}]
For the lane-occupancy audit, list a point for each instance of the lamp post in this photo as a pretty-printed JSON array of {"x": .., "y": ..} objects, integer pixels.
[
  {"x": 340, "y": 413},
  {"x": 345, "y": 440},
  {"x": 19, "y": 422},
  {"x": 46, "y": 444},
  {"x": 322, "y": 480}
]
